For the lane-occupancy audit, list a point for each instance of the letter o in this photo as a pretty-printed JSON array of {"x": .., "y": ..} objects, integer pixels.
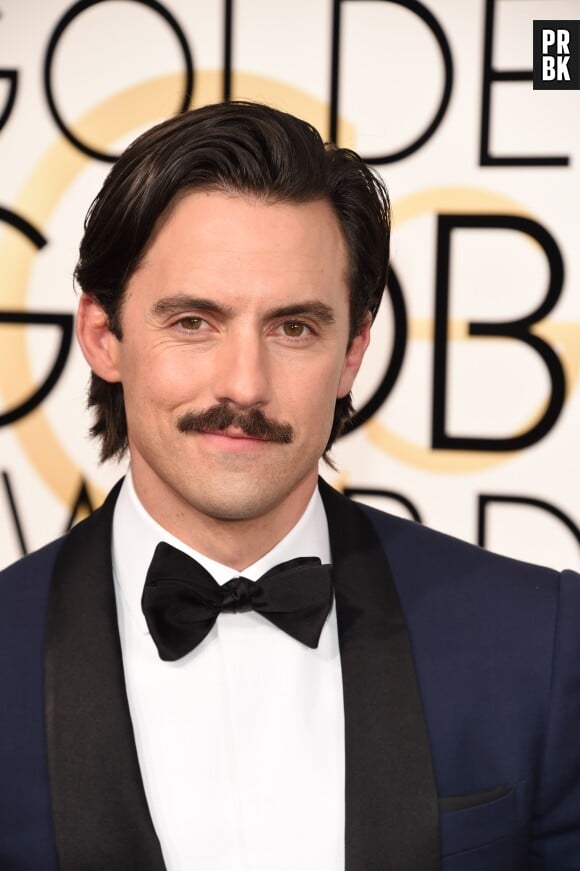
[{"x": 76, "y": 10}]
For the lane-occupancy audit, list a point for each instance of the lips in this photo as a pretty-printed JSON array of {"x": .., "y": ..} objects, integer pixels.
[
  {"x": 233, "y": 440},
  {"x": 234, "y": 434}
]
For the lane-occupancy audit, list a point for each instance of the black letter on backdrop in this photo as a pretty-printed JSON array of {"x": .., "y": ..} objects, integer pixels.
[
  {"x": 12, "y": 78},
  {"x": 486, "y": 499},
  {"x": 490, "y": 75},
  {"x": 388, "y": 494},
  {"x": 388, "y": 380},
  {"x": 65, "y": 322},
  {"x": 228, "y": 37},
  {"x": 437, "y": 31},
  {"x": 517, "y": 329},
  {"x": 64, "y": 22},
  {"x": 81, "y": 506},
  {"x": 15, "y": 514}
]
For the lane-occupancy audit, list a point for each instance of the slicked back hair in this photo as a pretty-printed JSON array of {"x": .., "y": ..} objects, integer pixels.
[{"x": 239, "y": 148}]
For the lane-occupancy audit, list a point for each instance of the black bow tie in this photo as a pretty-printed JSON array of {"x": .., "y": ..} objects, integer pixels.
[{"x": 181, "y": 600}]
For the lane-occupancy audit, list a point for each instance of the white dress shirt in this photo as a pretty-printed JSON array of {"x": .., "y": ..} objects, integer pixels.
[{"x": 241, "y": 742}]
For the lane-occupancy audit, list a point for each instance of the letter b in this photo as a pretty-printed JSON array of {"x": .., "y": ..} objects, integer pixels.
[
  {"x": 548, "y": 68},
  {"x": 518, "y": 330}
]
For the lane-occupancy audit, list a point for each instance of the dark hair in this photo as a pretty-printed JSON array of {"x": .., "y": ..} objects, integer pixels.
[{"x": 235, "y": 147}]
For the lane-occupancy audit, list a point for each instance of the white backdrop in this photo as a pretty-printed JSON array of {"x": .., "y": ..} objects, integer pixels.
[{"x": 474, "y": 435}]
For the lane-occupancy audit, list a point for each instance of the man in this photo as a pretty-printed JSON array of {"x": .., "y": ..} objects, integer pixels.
[{"x": 174, "y": 697}]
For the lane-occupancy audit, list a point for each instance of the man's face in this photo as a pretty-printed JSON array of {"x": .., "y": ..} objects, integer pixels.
[{"x": 241, "y": 306}]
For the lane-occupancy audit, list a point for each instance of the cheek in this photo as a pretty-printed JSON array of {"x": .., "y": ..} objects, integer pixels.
[
  {"x": 158, "y": 376},
  {"x": 313, "y": 397}
]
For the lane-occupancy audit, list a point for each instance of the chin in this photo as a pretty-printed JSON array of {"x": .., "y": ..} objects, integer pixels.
[
  {"x": 233, "y": 509},
  {"x": 237, "y": 503}
]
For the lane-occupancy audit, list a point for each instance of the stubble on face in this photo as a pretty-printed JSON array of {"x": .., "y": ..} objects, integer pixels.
[
  {"x": 243, "y": 494},
  {"x": 228, "y": 410}
]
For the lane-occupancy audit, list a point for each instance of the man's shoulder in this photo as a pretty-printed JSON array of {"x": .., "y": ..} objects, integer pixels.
[
  {"x": 38, "y": 565},
  {"x": 34, "y": 569},
  {"x": 24, "y": 588},
  {"x": 460, "y": 599},
  {"x": 33, "y": 563},
  {"x": 421, "y": 552}
]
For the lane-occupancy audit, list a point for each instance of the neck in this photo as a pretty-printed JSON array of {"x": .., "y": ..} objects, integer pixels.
[{"x": 238, "y": 542}]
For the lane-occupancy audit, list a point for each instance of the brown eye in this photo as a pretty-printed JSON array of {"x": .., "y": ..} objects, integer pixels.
[
  {"x": 293, "y": 329},
  {"x": 191, "y": 323}
]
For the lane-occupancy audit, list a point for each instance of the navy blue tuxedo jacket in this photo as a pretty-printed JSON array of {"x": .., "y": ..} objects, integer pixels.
[{"x": 461, "y": 676}]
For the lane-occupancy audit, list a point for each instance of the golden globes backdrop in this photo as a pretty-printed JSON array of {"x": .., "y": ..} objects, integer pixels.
[{"x": 469, "y": 401}]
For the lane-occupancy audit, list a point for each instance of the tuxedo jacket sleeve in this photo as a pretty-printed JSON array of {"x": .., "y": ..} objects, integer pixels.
[{"x": 461, "y": 675}]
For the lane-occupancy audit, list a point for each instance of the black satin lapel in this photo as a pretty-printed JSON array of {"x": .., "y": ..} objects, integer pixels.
[
  {"x": 100, "y": 813},
  {"x": 392, "y": 821}
]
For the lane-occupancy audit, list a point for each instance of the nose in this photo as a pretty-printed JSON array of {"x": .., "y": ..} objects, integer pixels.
[{"x": 241, "y": 375}]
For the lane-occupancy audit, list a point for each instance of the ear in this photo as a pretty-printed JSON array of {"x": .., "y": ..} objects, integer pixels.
[
  {"x": 99, "y": 345},
  {"x": 354, "y": 357}
]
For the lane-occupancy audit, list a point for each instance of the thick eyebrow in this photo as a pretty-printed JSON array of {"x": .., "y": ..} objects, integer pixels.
[
  {"x": 322, "y": 312},
  {"x": 171, "y": 305}
]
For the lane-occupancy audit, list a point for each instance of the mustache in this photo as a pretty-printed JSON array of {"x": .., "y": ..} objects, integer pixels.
[{"x": 252, "y": 423}]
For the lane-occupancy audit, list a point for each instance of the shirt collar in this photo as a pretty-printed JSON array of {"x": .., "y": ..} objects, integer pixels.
[{"x": 136, "y": 535}]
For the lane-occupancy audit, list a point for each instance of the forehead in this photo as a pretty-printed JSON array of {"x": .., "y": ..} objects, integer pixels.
[{"x": 237, "y": 241}]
